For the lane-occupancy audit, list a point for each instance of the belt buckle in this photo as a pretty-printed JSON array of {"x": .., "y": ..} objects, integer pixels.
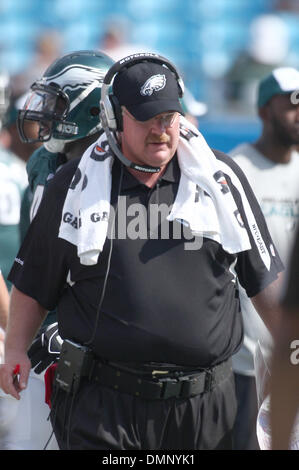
[
  {"x": 159, "y": 372},
  {"x": 194, "y": 385}
]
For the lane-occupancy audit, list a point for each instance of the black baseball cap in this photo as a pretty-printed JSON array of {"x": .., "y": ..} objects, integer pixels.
[{"x": 147, "y": 89}]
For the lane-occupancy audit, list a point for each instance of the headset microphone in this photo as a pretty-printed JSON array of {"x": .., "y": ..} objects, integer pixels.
[
  {"x": 116, "y": 150},
  {"x": 115, "y": 147}
]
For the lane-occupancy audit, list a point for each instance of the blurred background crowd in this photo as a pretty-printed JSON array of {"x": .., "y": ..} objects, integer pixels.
[{"x": 221, "y": 47}]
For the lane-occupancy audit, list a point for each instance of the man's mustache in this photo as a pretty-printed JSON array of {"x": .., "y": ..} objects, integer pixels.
[{"x": 162, "y": 139}]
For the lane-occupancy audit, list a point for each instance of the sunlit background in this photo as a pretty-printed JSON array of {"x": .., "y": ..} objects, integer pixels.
[{"x": 221, "y": 47}]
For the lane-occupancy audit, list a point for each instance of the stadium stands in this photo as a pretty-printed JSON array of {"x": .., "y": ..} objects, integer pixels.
[{"x": 202, "y": 38}]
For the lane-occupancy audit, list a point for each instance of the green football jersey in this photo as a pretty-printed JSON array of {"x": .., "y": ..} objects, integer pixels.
[{"x": 41, "y": 167}]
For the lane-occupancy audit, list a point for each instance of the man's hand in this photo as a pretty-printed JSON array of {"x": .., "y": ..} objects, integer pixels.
[
  {"x": 25, "y": 317},
  {"x": 45, "y": 349},
  {"x": 14, "y": 373}
]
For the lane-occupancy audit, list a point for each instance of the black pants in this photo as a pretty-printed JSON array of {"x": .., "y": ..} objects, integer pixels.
[
  {"x": 245, "y": 425},
  {"x": 99, "y": 418}
]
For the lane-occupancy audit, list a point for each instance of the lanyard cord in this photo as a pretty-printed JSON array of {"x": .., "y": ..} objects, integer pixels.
[{"x": 90, "y": 341}]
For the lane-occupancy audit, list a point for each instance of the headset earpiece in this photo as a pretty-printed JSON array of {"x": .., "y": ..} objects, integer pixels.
[
  {"x": 117, "y": 112},
  {"x": 107, "y": 111},
  {"x": 111, "y": 113}
]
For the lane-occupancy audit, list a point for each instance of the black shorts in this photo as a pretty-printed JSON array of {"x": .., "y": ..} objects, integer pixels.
[{"x": 100, "y": 418}]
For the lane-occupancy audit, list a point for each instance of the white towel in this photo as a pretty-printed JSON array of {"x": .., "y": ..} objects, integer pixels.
[
  {"x": 219, "y": 220},
  {"x": 214, "y": 215},
  {"x": 87, "y": 205},
  {"x": 204, "y": 199}
]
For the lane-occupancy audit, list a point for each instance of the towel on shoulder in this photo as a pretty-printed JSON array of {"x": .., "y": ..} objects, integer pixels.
[{"x": 215, "y": 216}]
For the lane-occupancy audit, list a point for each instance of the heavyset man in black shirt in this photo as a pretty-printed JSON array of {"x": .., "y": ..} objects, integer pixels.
[{"x": 156, "y": 318}]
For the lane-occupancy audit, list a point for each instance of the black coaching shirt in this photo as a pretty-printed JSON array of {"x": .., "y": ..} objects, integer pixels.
[{"x": 163, "y": 301}]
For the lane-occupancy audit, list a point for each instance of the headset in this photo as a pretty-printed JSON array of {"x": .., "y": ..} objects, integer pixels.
[{"x": 111, "y": 113}]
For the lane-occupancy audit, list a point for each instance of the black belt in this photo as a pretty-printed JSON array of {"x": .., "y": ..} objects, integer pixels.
[{"x": 160, "y": 388}]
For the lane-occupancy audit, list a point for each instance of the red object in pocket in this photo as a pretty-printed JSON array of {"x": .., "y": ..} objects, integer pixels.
[
  {"x": 49, "y": 379},
  {"x": 16, "y": 370}
]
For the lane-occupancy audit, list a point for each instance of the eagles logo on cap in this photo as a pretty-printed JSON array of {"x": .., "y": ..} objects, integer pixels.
[{"x": 154, "y": 83}]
